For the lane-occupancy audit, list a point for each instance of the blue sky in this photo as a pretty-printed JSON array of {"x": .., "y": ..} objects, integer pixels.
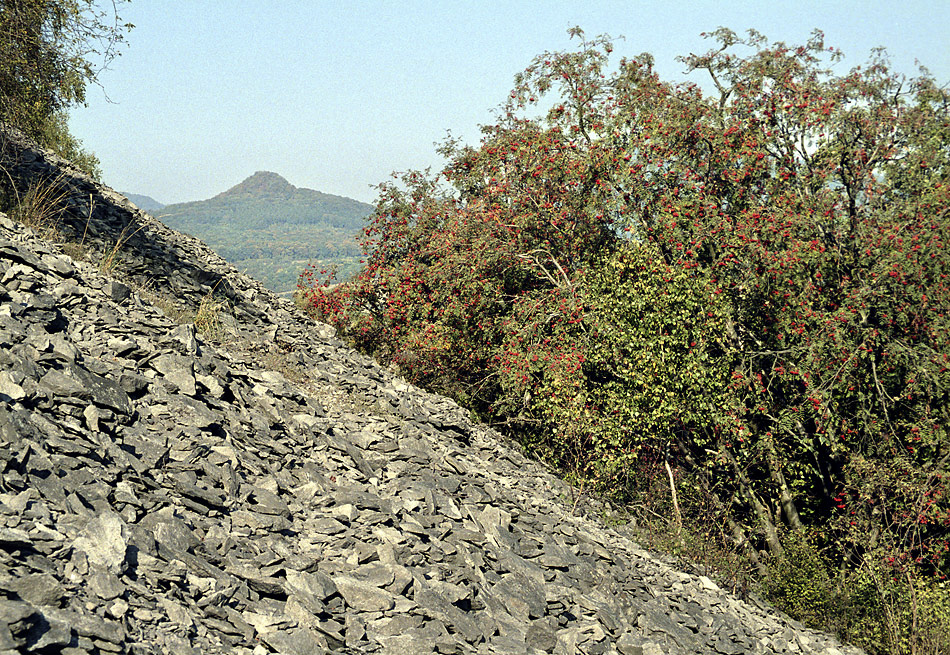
[{"x": 335, "y": 95}]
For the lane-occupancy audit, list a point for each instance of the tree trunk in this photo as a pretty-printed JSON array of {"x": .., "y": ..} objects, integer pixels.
[
  {"x": 789, "y": 507},
  {"x": 738, "y": 533},
  {"x": 761, "y": 511}
]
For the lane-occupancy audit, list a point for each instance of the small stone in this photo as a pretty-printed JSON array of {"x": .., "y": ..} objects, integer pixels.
[
  {"x": 104, "y": 540},
  {"x": 314, "y": 585},
  {"x": 295, "y": 642},
  {"x": 10, "y": 391},
  {"x": 118, "y": 291},
  {"x": 37, "y": 589},
  {"x": 91, "y": 414},
  {"x": 362, "y": 596},
  {"x": 327, "y": 526},
  {"x": 105, "y": 584},
  {"x": 178, "y": 370},
  {"x": 118, "y": 609}
]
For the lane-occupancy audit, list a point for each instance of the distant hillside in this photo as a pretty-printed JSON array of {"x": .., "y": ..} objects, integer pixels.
[
  {"x": 145, "y": 203},
  {"x": 272, "y": 229}
]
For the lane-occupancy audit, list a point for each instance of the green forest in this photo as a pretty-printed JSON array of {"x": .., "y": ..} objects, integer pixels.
[
  {"x": 272, "y": 230},
  {"x": 724, "y": 307}
]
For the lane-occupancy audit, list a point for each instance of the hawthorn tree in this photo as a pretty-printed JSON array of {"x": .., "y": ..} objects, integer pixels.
[
  {"x": 526, "y": 204},
  {"x": 750, "y": 284}
]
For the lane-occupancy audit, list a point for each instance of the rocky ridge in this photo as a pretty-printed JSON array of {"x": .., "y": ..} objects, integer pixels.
[{"x": 259, "y": 487}]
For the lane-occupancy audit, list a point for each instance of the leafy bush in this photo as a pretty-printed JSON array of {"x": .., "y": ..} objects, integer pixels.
[
  {"x": 799, "y": 583},
  {"x": 53, "y": 133},
  {"x": 753, "y": 283}
]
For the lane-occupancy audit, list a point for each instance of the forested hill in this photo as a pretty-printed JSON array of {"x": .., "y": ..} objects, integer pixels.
[
  {"x": 272, "y": 229},
  {"x": 281, "y": 202}
]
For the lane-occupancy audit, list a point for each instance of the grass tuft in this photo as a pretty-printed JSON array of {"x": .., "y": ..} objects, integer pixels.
[
  {"x": 41, "y": 208},
  {"x": 207, "y": 317}
]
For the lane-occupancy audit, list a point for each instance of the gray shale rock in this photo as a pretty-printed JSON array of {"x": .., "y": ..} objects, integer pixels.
[{"x": 267, "y": 489}]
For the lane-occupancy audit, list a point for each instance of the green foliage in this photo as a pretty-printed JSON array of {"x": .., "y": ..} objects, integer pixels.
[
  {"x": 54, "y": 134},
  {"x": 887, "y": 610},
  {"x": 799, "y": 583},
  {"x": 750, "y": 288},
  {"x": 657, "y": 356},
  {"x": 880, "y": 606},
  {"x": 50, "y": 50}
]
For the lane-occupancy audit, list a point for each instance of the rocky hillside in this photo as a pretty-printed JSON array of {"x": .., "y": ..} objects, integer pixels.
[{"x": 256, "y": 486}]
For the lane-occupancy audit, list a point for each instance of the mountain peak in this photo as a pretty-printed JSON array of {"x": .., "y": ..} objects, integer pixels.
[{"x": 261, "y": 184}]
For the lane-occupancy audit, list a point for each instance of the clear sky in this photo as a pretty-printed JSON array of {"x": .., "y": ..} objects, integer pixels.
[{"x": 336, "y": 95}]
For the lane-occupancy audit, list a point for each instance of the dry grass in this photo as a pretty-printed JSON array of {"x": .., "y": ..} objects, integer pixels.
[
  {"x": 164, "y": 303},
  {"x": 207, "y": 317},
  {"x": 111, "y": 258},
  {"x": 41, "y": 208},
  {"x": 276, "y": 360}
]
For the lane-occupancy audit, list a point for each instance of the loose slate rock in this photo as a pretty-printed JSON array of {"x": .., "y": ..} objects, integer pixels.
[
  {"x": 363, "y": 596},
  {"x": 104, "y": 541}
]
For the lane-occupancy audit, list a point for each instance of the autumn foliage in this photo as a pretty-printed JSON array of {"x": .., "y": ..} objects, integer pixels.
[{"x": 748, "y": 284}]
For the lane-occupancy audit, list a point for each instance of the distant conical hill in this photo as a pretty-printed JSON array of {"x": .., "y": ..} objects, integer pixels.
[
  {"x": 263, "y": 184},
  {"x": 272, "y": 229}
]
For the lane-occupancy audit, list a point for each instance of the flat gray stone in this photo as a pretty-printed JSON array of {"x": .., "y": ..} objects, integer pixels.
[
  {"x": 178, "y": 370},
  {"x": 10, "y": 390},
  {"x": 37, "y": 589},
  {"x": 104, "y": 540},
  {"x": 362, "y": 596}
]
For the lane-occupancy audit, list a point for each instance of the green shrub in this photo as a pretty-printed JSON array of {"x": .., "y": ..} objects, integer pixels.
[
  {"x": 50, "y": 50},
  {"x": 799, "y": 584},
  {"x": 880, "y": 605},
  {"x": 53, "y": 133},
  {"x": 888, "y": 610}
]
